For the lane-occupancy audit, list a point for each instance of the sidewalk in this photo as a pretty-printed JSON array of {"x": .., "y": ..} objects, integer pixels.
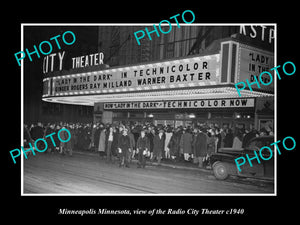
[
  {"x": 183, "y": 166},
  {"x": 164, "y": 163}
]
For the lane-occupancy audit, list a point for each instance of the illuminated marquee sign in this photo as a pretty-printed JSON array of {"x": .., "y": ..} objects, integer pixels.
[
  {"x": 212, "y": 103},
  {"x": 252, "y": 62},
  {"x": 188, "y": 72},
  {"x": 55, "y": 61}
]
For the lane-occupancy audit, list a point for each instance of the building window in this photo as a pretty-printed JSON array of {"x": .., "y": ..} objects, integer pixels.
[{"x": 170, "y": 50}]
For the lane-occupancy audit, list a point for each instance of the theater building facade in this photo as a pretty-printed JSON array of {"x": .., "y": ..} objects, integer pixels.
[{"x": 178, "y": 91}]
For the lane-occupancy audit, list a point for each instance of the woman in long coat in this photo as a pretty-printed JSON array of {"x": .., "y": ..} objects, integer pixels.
[
  {"x": 167, "y": 141},
  {"x": 200, "y": 146},
  {"x": 49, "y": 130},
  {"x": 132, "y": 144},
  {"x": 150, "y": 135},
  {"x": 96, "y": 137},
  {"x": 228, "y": 140},
  {"x": 186, "y": 144},
  {"x": 114, "y": 144},
  {"x": 102, "y": 140},
  {"x": 174, "y": 144}
]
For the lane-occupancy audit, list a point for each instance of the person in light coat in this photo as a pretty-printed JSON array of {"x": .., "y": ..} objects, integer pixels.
[
  {"x": 102, "y": 140},
  {"x": 109, "y": 141},
  {"x": 167, "y": 141}
]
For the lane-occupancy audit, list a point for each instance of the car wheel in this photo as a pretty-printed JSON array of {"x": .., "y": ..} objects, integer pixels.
[{"x": 220, "y": 170}]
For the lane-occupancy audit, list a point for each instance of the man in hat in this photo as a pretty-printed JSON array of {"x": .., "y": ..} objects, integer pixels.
[
  {"x": 124, "y": 148},
  {"x": 158, "y": 145},
  {"x": 142, "y": 147},
  {"x": 200, "y": 146}
]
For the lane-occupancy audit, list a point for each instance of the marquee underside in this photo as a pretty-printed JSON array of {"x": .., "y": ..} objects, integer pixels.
[{"x": 187, "y": 94}]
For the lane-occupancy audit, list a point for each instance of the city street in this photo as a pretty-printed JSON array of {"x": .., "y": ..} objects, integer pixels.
[{"x": 88, "y": 174}]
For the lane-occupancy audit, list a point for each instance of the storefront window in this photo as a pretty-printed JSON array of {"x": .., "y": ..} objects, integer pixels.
[
  {"x": 120, "y": 115},
  {"x": 136, "y": 115},
  {"x": 228, "y": 115},
  {"x": 216, "y": 115}
]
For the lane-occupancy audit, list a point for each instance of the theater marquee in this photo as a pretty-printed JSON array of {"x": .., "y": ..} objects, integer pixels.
[
  {"x": 212, "y": 103},
  {"x": 201, "y": 77},
  {"x": 187, "y": 72}
]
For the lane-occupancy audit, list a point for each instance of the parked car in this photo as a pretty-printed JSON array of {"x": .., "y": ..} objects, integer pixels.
[{"x": 223, "y": 162}]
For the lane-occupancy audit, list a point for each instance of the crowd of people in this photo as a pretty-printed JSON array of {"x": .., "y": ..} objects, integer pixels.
[{"x": 143, "y": 142}]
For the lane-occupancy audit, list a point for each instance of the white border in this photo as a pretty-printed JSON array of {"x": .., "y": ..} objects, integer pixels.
[
  {"x": 148, "y": 24},
  {"x": 22, "y": 111}
]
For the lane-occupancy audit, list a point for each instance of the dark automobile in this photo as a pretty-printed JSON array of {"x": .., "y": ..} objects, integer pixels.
[{"x": 223, "y": 162}]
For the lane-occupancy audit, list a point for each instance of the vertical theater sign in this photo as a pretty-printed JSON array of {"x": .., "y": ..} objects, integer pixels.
[{"x": 168, "y": 91}]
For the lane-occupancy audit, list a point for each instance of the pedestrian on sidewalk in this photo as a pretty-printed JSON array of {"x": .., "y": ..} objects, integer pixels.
[
  {"x": 167, "y": 141},
  {"x": 38, "y": 132},
  {"x": 109, "y": 141},
  {"x": 64, "y": 146},
  {"x": 102, "y": 139},
  {"x": 200, "y": 146},
  {"x": 49, "y": 130},
  {"x": 69, "y": 144},
  {"x": 150, "y": 135},
  {"x": 132, "y": 144},
  {"x": 56, "y": 140},
  {"x": 186, "y": 144},
  {"x": 211, "y": 142},
  {"x": 124, "y": 149},
  {"x": 174, "y": 144},
  {"x": 228, "y": 140},
  {"x": 97, "y": 131},
  {"x": 158, "y": 145},
  {"x": 142, "y": 147}
]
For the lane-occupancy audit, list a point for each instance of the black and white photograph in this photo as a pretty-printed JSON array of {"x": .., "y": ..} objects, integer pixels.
[
  {"x": 122, "y": 109},
  {"x": 126, "y": 112}
]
